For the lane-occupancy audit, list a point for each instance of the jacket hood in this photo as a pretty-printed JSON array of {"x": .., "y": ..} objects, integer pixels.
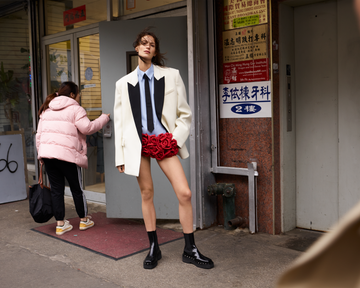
[{"x": 61, "y": 102}]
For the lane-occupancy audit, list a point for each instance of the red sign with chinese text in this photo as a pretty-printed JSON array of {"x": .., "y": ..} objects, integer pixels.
[
  {"x": 74, "y": 15},
  {"x": 246, "y": 71}
]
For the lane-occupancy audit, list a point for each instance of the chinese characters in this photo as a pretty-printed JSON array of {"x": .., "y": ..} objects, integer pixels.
[
  {"x": 245, "y": 93},
  {"x": 238, "y": 11},
  {"x": 245, "y": 44},
  {"x": 74, "y": 15},
  {"x": 245, "y": 100}
]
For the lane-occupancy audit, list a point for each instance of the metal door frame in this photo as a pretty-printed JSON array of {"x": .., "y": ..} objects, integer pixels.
[{"x": 72, "y": 35}]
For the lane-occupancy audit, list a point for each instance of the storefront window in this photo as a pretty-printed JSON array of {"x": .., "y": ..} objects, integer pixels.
[
  {"x": 15, "y": 84},
  {"x": 89, "y": 58},
  {"x": 66, "y": 15},
  {"x": 133, "y": 6},
  {"x": 59, "y": 62}
]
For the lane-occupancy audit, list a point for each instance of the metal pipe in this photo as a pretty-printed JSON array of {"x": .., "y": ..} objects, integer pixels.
[
  {"x": 227, "y": 190},
  {"x": 252, "y": 199},
  {"x": 237, "y": 221}
]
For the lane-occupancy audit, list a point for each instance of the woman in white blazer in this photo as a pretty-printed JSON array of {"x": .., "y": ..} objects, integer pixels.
[{"x": 152, "y": 120}]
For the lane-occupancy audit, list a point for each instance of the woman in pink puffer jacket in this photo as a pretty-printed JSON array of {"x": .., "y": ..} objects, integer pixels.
[{"x": 61, "y": 146}]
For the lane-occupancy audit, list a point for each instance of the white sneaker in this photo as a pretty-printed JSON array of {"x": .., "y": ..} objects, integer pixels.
[
  {"x": 60, "y": 230},
  {"x": 86, "y": 224}
]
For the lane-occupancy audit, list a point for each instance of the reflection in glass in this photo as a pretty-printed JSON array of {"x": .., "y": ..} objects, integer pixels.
[
  {"x": 59, "y": 65},
  {"x": 133, "y": 6},
  {"x": 62, "y": 15},
  {"x": 90, "y": 85},
  {"x": 15, "y": 84}
]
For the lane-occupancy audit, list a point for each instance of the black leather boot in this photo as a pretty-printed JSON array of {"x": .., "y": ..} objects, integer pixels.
[
  {"x": 154, "y": 254},
  {"x": 192, "y": 255}
]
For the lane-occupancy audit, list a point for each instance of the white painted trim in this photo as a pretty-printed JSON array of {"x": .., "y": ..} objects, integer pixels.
[{"x": 90, "y": 196}]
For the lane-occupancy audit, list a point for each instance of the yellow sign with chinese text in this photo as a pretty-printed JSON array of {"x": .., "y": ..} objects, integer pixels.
[
  {"x": 242, "y": 12},
  {"x": 246, "y": 21},
  {"x": 245, "y": 44}
]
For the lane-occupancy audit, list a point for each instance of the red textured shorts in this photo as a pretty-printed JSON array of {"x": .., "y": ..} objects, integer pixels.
[{"x": 159, "y": 147}]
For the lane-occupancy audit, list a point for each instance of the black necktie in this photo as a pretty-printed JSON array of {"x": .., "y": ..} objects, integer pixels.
[{"x": 150, "y": 121}]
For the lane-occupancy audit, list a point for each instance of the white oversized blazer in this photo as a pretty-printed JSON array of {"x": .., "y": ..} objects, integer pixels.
[{"x": 171, "y": 108}]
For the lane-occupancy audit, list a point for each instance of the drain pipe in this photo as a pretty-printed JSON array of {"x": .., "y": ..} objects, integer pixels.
[
  {"x": 228, "y": 193},
  {"x": 227, "y": 190},
  {"x": 237, "y": 221}
]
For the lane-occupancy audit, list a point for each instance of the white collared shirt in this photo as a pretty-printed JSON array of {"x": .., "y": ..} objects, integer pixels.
[{"x": 158, "y": 127}]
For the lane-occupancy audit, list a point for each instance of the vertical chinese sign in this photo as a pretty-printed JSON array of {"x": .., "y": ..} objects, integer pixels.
[
  {"x": 74, "y": 15},
  {"x": 245, "y": 60}
]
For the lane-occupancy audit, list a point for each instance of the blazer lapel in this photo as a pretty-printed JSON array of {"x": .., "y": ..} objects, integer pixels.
[
  {"x": 134, "y": 97},
  {"x": 159, "y": 93}
]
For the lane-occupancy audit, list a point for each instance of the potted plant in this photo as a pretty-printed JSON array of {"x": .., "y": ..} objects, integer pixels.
[{"x": 9, "y": 95}]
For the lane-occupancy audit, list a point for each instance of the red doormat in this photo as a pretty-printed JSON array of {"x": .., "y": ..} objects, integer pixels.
[{"x": 114, "y": 238}]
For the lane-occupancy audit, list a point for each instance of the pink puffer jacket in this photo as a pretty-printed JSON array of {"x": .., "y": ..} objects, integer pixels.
[{"x": 62, "y": 129}]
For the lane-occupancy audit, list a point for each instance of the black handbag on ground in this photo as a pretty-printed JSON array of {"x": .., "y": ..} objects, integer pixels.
[{"x": 40, "y": 201}]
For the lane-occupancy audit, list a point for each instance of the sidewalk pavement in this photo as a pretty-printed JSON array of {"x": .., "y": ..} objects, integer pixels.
[{"x": 31, "y": 259}]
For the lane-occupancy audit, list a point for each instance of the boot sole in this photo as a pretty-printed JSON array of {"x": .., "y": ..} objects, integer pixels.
[
  {"x": 155, "y": 263},
  {"x": 193, "y": 261}
]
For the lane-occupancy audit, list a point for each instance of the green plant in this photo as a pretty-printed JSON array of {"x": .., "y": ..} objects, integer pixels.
[
  {"x": 9, "y": 95},
  {"x": 6, "y": 83}
]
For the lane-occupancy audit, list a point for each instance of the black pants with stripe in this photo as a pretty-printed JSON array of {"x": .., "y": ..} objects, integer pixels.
[{"x": 57, "y": 171}]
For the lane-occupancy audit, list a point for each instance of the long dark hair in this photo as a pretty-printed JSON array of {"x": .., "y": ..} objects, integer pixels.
[
  {"x": 66, "y": 88},
  {"x": 159, "y": 59}
]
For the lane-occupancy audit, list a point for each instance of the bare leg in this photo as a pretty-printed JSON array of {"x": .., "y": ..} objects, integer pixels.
[
  {"x": 174, "y": 171},
  {"x": 149, "y": 214},
  {"x": 147, "y": 194}
]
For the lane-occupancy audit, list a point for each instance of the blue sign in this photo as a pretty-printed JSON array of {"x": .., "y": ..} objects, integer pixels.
[
  {"x": 246, "y": 109},
  {"x": 88, "y": 74}
]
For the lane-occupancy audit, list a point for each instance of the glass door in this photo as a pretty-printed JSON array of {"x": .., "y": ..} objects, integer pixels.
[
  {"x": 90, "y": 85},
  {"x": 59, "y": 68},
  {"x": 76, "y": 57}
]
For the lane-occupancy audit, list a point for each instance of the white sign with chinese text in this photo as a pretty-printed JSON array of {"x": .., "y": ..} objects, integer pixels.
[{"x": 245, "y": 100}]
